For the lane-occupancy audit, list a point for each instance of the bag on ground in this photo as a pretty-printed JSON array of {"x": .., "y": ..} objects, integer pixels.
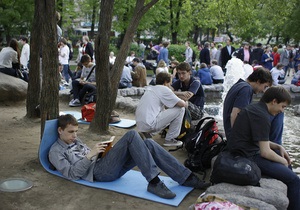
[
  {"x": 235, "y": 169},
  {"x": 203, "y": 144}
]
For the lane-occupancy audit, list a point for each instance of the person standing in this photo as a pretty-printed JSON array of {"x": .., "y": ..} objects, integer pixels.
[
  {"x": 226, "y": 53},
  {"x": 244, "y": 53},
  {"x": 63, "y": 57},
  {"x": 205, "y": 54},
  {"x": 267, "y": 59},
  {"x": 25, "y": 53},
  {"x": 164, "y": 53},
  {"x": 87, "y": 47},
  {"x": 188, "y": 53}
]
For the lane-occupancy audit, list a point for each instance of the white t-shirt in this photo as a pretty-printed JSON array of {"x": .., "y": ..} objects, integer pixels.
[
  {"x": 25, "y": 55},
  {"x": 275, "y": 74},
  {"x": 152, "y": 103},
  {"x": 216, "y": 72},
  {"x": 162, "y": 69},
  {"x": 63, "y": 55},
  {"x": 8, "y": 56},
  {"x": 85, "y": 72}
]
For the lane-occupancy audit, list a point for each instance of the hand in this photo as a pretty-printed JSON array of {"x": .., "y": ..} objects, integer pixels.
[
  {"x": 285, "y": 155},
  {"x": 98, "y": 148}
]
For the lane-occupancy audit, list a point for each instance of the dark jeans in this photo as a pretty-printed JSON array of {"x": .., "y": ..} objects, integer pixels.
[
  {"x": 79, "y": 90},
  {"x": 13, "y": 72},
  {"x": 286, "y": 175},
  {"x": 276, "y": 128}
]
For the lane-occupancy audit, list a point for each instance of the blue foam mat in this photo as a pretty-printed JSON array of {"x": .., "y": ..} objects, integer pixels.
[
  {"x": 132, "y": 183},
  {"x": 124, "y": 123}
]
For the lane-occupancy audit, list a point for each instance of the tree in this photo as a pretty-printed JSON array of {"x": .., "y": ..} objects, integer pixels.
[{"x": 108, "y": 79}]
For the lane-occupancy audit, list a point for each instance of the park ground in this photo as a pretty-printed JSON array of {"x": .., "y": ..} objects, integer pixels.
[{"x": 20, "y": 138}]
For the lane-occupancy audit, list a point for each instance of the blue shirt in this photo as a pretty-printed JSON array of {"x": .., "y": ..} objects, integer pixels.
[
  {"x": 239, "y": 96},
  {"x": 195, "y": 87}
]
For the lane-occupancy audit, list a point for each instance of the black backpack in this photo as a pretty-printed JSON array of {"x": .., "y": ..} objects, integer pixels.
[
  {"x": 193, "y": 56},
  {"x": 203, "y": 144}
]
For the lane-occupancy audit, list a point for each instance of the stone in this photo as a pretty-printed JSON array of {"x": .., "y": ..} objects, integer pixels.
[
  {"x": 297, "y": 110},
  {"x": 244, "y": 201},
  {"x": 12, "y": 88},
  {"x": 268, "y": 192}
]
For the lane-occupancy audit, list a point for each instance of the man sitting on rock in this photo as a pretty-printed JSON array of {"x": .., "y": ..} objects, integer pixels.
[
  {"x": 250, "y": 138},
  {"x": 151, "y": 114},
  {"x": 188, "y": 88},
  {"x": 74, "y": 160}
]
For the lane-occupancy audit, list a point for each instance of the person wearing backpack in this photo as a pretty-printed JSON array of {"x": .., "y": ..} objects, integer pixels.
[
  {"x": 151, "y": 115},
  {"x": 188, "y": 88},
  {"x": 250, "y": 138}
]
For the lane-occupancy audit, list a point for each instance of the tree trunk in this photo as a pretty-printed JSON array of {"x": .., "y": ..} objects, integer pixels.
[
  {"x": 108, "y": 79},
  {"x": 93, "y": 21},
  {"x": 34, "y": 87},
  {"x": 196, "y": 35},
  {"x": 269, "y": 39},
  {"x": 50, "y": 83}
]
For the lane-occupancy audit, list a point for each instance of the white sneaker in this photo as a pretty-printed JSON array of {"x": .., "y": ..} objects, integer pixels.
[
  {"x": 173, "y": 143},
  {"x": 75, "y": 103}
]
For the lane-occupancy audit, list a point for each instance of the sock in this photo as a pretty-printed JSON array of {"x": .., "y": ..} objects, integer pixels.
[{"x": 155, "y": 180}]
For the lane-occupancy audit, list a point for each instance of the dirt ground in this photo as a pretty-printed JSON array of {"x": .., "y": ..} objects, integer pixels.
[{"x": 20, "y": 138}]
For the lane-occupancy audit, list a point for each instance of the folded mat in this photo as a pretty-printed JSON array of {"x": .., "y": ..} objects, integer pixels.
[
  {"x": 132, "y": 183},
  {"x": 124, "y": 123}
]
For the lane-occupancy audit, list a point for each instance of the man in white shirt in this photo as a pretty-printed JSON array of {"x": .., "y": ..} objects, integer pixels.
[
  {"x": 151, "y": 113},
  {"x": 217, "y": 73},
  {"x": 25, "y": 53},
  {"x": 63, "y": 57},
  {"x": 188, "y": 53}
]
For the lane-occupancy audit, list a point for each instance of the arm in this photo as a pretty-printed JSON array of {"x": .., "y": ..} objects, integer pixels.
[
  {"x": 267, "y": 153},
  {"x": 281, "y": 150},
  {"x": 233, "y": 115},
  {"x": 185, "y": 95},
  {"x": 182, "y": 103}
]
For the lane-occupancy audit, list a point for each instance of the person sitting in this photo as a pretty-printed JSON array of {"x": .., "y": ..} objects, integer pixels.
[
  {"x": 139, "y": 76},
  {"x": 126, "y": 79},
  {"x": 249, "y": 138},
  {"x": 86, "y": 83},
  {"x": 161, "y": 67},
  {"x": 277, "y": 73},
  {"x": 217, "y": 73},
  {"x": 151, "y": 115},
  {"x": 10, "y": 61},
  {"x": 296, "y": 77},
  {"x": 204, "y": 75},
  {"x": 172, "y": 68},
  {"x": 130, "y": 58},
  {"x": 74, "y": 160},
  {"x": 188, "y": 88}
]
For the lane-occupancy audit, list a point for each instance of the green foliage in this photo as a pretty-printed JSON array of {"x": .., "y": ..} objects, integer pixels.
[{"x": 177, "y": 52}]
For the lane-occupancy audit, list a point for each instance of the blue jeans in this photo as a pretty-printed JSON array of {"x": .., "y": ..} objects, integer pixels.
[
  {"x": 276, "y": 128},
  {"x": 66, "y": 72},
  {"x": 286, "y": 175},
  {"x": 147, "y": 155}
]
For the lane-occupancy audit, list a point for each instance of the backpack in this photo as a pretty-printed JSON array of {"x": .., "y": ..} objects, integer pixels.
[
  {"x": 235, "y": 169},
  {"x": 193, "y": 56},
  {"x": 203, "y": 144}
]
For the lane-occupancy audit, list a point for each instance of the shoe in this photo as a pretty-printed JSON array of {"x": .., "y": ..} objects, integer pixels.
[
  {"x": 161, "y": 190},
  {"x": 75, "y": 103},
  {"x": 172, "y": 143},
  {"x": 196, "y": 183}
]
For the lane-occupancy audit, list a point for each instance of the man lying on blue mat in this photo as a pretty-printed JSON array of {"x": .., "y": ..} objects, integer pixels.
[{"x": 77, "y": 161}]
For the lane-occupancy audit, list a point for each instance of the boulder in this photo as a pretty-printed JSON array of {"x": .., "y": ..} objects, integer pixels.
[
  {"x": 272, "y": 192},
  {"x": 12, "y": 88},
  {"x": 297, "y": 110}
]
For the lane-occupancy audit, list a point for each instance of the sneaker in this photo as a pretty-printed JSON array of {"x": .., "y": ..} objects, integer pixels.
[
  {"x": 196, "y": 183},
  {"x": 161, "y": 190},
  {"x": 75, "y": 103},
  {"x": 172, "y": 143}
]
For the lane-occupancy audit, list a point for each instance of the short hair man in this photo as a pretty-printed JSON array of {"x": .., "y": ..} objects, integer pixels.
[
  {"x": 250, "y": 138},
  {"x": 25, "y": 53},
  {"x": 151, "y": 115},
  {"x": 240, "y": 95},
  {"x": 188, "y": 88},
  {"x": 76, "y": 161}
]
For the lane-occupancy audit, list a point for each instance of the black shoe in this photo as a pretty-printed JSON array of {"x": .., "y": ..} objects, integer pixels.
[
  {"x": 161, "y": 190},
  {"x": 196, "y": 183}
]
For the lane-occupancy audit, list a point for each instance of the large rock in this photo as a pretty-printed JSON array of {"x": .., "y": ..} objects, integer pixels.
[
  {"x": 12, "y": 88},
  {"x": 297, "y": 110},
  {"x": 272, "y": 192}
]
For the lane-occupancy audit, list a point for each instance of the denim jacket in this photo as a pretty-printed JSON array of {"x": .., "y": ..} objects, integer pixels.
[{"x": 71, "y": 161}]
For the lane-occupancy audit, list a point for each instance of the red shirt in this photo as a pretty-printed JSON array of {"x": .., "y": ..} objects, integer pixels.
[{"x": 276, "y": 58}]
